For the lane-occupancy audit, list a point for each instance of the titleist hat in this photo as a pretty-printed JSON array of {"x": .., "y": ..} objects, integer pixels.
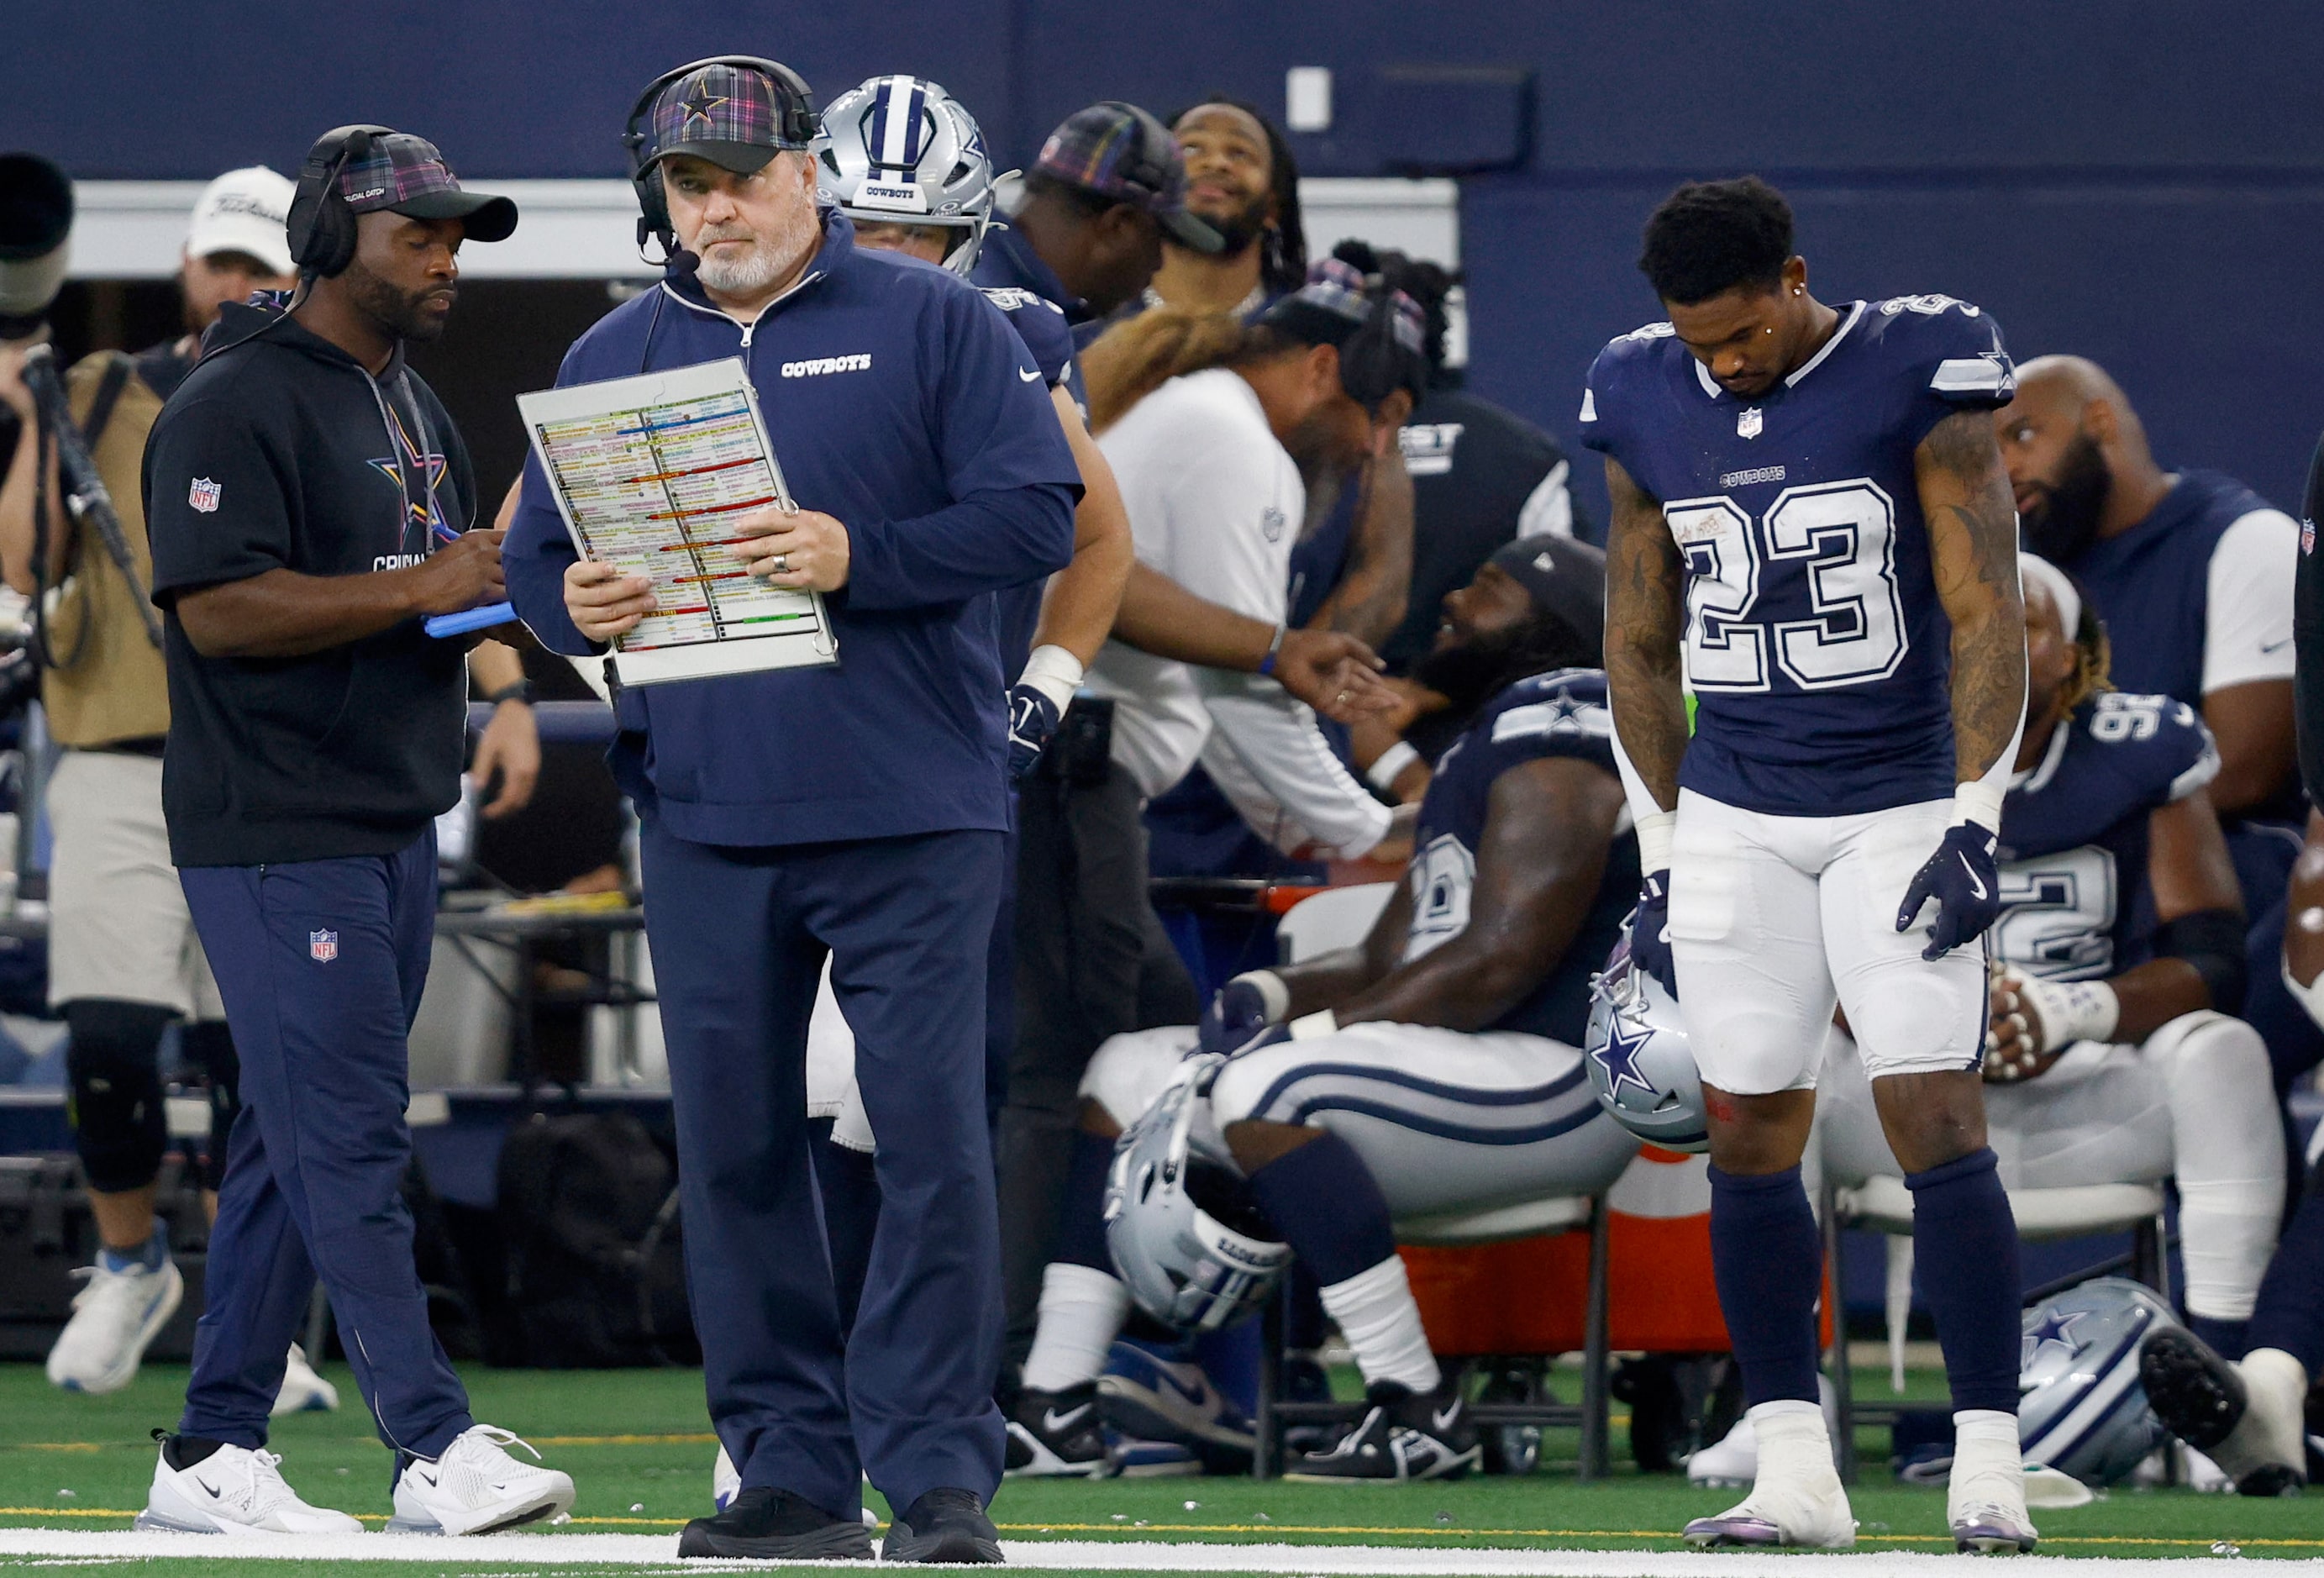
[
  {"x": 1118, "y": 151},
  {"x": 244, "y": 211},
  {"x": 406, "y": 175}
]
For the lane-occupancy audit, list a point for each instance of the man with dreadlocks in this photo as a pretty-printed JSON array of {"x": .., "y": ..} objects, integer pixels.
[{"x": 2118, "y": 959}]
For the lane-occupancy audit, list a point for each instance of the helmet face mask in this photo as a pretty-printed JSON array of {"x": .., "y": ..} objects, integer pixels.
[
  {"x": 1639, "y": 1061},
  {"x": 1185, "y": 1236},
  {"x": 901, "y": 151}
]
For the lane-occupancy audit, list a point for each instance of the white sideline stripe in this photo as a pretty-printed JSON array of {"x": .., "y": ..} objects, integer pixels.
[{"x": 1143, "y": 1556}]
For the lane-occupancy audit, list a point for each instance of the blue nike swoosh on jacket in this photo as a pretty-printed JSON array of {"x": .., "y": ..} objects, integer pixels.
[{"x": 954, "y": 480}]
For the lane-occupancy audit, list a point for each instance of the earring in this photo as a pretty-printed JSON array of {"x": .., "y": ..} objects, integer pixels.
[{"x": 1799, "y": 289}]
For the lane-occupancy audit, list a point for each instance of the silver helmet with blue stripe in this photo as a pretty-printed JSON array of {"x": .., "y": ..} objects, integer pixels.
[
  {"x": 1640, "y": 1062},
  {"x": 901, "y": 151},
  {"x": 2080, "y": 1408},
  {"x": 1184, "y": 1234}
]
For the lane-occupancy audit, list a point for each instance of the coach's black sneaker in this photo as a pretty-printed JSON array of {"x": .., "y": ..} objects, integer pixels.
[
  {"x": 766, "y": 1525},
  {"x": 1057, "y": 1435},
  {"x": 2245, "y": 1416},
  {"x": 945, "y": 1525},
  {"x": 1404, "y": 1436}
]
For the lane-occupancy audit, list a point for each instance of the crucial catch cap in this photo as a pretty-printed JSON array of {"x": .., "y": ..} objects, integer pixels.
[{"x": 405, "y": 174}]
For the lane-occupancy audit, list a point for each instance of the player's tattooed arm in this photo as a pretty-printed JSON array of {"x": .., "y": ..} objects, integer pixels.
[
  {"x": 1549, "y": 824},
  {"x": 1646, "y": 614},
  {"x": 1972, "y": 519}
]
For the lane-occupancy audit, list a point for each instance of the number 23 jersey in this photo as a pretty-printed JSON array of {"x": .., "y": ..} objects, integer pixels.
[{"x": 1815, "y": 644}]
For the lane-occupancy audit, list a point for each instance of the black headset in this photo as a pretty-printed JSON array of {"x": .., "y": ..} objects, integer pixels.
[
  {"x": 795, "y": 127},
  {"x": 320, "y": 227}
]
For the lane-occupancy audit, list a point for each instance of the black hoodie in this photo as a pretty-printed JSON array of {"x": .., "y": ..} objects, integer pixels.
[{"x": 285, "y": 453}]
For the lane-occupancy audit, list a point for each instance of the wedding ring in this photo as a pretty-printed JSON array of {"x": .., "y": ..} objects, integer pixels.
[{"x": 782, "y": 564}]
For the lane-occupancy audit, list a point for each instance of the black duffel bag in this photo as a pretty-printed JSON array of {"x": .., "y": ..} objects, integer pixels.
[{"x": 595, "y": 1267}]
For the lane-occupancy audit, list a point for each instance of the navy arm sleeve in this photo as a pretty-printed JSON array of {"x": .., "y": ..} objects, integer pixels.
[
  {"x": 1006, "y": 463},
  {"x": 533, "y": 557}
]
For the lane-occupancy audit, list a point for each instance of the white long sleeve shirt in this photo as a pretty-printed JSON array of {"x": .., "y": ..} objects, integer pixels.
[{"x": 1215, "y": 504}]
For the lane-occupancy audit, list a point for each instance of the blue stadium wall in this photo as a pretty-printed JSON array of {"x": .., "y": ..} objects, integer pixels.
[{"x": 2142, "y": 182}]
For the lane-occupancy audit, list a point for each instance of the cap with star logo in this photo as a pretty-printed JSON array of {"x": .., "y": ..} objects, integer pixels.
[
  {"x": 406, "y": 175},
  {"x": 731, "y": 116}
]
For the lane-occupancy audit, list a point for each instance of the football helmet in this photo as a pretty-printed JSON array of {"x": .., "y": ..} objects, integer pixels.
[
  {"x": 901, "y": 151},
  {"x": 1185, "y": 1237},
  {"x": 1640, "y": 1062},
  {"x": 2081, "y": 1408}
]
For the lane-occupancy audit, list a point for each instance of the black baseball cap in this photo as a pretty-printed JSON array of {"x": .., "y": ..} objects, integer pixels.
[
  {"x": 1565, "y": 577},
  {"x": 1118, "y": 151}
]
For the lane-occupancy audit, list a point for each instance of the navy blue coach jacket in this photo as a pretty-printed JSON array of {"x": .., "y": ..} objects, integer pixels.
[{"x": 899, "y": 400}]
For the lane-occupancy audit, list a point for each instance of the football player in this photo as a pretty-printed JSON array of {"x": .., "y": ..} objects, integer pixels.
[
  {"x": 1431, "y": 1069},
  {"x": 1812, "y": 529},
  {"x": 2118, "y": 958}
]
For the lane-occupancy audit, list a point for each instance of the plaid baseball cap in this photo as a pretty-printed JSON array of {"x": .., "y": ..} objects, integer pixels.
[
  {"x": 1336, "y": 301},
  {"x": 406, "y": 175},
  {"x": 1119, "y": 151},
  {"x": 731, "y": 116}
]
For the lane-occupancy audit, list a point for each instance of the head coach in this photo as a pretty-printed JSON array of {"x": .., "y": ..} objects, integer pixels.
[
  {"x": 857, "y": 810},
  {"x": 306, "y": 496}
]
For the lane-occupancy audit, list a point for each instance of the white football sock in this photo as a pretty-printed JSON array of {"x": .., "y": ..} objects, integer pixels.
[
  {"x": 1082, "y": 1312},
  {"x": 2229, "y": 1141},
  {"x": 1377, "y": 1314}
]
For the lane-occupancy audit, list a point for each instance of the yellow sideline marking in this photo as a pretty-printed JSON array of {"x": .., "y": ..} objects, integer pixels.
[{"x": 1436, "y": 1532}]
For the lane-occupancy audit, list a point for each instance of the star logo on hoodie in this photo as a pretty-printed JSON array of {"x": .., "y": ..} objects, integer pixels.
[{"x": 411, "y": 460}]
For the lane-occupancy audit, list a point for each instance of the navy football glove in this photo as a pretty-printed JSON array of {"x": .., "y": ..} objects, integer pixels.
[
  {"x": 1650, "y": 931},
  {"x": 1032, "y": 722},
  {"x": 1237, "y": 1012},
  {"x": 1964, "y": 881}
]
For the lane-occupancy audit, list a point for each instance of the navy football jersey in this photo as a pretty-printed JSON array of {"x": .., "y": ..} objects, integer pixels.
[
  {"x": 1815, "y": 645},
  {"x": 2074, "y": 899},
  {"x": 1561, "y": 714}
]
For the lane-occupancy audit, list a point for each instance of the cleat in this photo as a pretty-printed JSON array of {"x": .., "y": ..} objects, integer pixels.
[
  {"x": 1058, "y": 1435},
  {"x": 1731, "y": 1463},
  {"x": 113, "y": 1318},
  {"x": 1404, "y": 1435},
  {"x": 1150, "y": 1398},
  {"x": 232, "y": 1491},
  {"x": 762, "y": 1524},
  {"x": 946, "y": 1525},
  {"x": 303, "y": 1392},
  {"x": 1985, "y": 1494},
  {"x": 475, "y": 1487},
  {"x": 1796, "y": 1500},
  {"x": 2247, "y": 1416},
  {"x": 725, "y": 1482}
]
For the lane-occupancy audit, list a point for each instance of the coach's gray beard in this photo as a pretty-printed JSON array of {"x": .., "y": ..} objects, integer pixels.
[{"x": 769, "y": 259}]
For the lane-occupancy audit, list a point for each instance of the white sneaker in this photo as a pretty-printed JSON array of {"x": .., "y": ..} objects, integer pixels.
[
  {"x": 234, "y": 1491},
  {"x": 113, "y": 1318},
  {"x": 1985, "y": 1497},
  {"x": 726, "y": 1480},
  {"x": 303, "y": 1390},
  {"x": 475, "y": 1487},
  {"x": 1796, "y": 1498}
]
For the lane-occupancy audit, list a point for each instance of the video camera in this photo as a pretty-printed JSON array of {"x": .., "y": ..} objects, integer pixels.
[{"x": 36, "y": 216}]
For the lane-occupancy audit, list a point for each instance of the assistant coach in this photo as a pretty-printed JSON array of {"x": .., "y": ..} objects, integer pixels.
[{"x": 857, "y": 808}]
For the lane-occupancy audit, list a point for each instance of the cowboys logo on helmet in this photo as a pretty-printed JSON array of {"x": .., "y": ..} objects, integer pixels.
[
  {"x": 1640, "y": 1062},
  {"x": 901, "y": 151},
  {"x": 2080, "y": 1408},
  {"x": 1192, "y": 1248}
]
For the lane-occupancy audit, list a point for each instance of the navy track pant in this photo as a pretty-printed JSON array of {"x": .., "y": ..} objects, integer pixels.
[
  {"x": 739, "y": 936},
  {"x": 321, "y": 964}
]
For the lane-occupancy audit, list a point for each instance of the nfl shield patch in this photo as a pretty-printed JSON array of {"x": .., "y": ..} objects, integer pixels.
[
  {"x": 204, "y": 494},
  {"x": 1747, "y": 421},
  {"x": 322, "y": 947}
]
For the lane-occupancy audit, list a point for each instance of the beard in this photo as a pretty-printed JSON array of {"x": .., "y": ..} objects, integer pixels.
[
  {"x": 398, "y": 313},
  {"x": 1239, "y": 230},
  {"x": 773, "y": 254},
  {"x": 1472, "y": 671},
  {"x": 2065, "y": 520}
]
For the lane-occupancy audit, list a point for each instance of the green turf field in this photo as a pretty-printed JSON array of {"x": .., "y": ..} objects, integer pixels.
[{"x": 635, "y": 1443}]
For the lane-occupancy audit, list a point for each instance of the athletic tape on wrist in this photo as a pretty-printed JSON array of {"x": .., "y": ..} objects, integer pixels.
[
  {"x": 1383, "y": 773},
  {"x": 1274, "y": 995},
  {"x": 1657, "y": 832},
  {"x": 1055, "y": 672},
  {"x": 1321, "y": 1022},
  {"x": 2071, "y": 1010}
]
